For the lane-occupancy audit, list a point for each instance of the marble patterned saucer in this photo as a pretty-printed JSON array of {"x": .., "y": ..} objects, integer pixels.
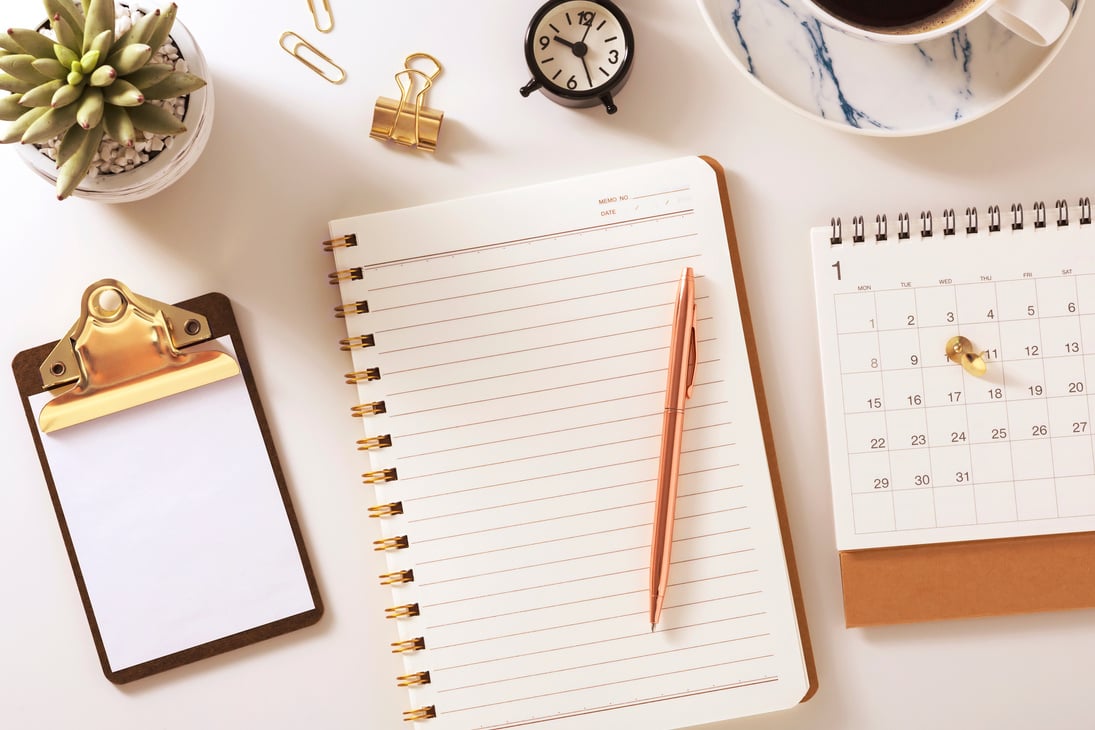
[{"x": 867, "y": 87}]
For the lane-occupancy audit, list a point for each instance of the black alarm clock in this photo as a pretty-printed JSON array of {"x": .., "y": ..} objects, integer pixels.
[{"x": 579, "y": 52}]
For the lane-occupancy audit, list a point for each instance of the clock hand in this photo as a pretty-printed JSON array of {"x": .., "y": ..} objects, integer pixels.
[
  {"x": 564, "y": 42},
  {"x": 586, "y": 67}
]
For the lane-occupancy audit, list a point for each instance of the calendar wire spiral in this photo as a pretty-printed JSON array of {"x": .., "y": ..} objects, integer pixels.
[
  {"x": 1016, "y": 221},
  {"x": 388, "y": 510}
]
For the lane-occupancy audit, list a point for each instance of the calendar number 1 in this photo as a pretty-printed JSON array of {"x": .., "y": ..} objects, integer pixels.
[{"x": 837, "y": 267}]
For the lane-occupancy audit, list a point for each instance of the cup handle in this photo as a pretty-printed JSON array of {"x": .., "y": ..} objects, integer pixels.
[{"x": 1039, "y": 21}]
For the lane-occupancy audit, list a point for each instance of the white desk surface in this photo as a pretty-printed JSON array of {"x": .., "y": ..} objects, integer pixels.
[{"x": 289, "y": 152}]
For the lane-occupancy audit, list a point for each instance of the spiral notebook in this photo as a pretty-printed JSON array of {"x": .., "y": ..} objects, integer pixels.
[
  {"x": 956, "y": 352},
  {"x": 509, "y": 356}
]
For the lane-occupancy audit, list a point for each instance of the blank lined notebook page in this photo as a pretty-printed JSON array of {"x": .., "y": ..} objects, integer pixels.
[{"x": 521, "y": 341}]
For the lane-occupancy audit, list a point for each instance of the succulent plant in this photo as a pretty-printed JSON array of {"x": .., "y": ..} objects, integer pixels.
[{"x": 86, "y": 82}]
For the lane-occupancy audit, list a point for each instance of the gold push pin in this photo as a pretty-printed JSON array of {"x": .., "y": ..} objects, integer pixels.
[{"x": 962, "y": 351}]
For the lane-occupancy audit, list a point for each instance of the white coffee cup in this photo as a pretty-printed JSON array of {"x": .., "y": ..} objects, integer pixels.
[{"x": 1040, "y": 22}]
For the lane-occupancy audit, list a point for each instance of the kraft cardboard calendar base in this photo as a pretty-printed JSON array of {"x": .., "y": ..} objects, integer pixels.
[{"x": 916, "y": 583}]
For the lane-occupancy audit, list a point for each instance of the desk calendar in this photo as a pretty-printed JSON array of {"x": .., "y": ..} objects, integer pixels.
[{"x": 922, "y": 449}]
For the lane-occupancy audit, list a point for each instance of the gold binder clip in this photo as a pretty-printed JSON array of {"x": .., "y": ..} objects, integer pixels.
[
  {"x": 419, "y": 713},
  {"x": 960, "y": 350},
  {"x": 125, "y": 351},
  {"x": 312, "y": 57},
  {"x": 408, "y": 121}
]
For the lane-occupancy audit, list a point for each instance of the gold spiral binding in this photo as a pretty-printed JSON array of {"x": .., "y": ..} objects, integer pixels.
[
  {"x": 356, "y": 343},
  {"x": 359, "y": 307},
  {"x": 408, "y": 645},
  {"x": 380, "y": 476},
  {"x": 419, "y": 713},
  {"x": 374, "y": 442},
  {"x": 407, "y": 610},
  {"x": 340, "y": 242},
  {"x": 368, "y": 409},
  {"x": 361, "y": 376},
  {"x": 386, "y": 510},
  {"x": 412, "y": 680},
  {"x": 391, "y": 543},
  {"x": 352, "y": 274},
  {"x": 397, "y": 578}
]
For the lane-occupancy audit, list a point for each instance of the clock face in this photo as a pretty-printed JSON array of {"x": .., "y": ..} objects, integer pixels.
[{"x": 579, "y": 48}]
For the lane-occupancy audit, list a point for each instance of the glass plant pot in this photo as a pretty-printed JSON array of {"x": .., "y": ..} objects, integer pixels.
[{"x": 167, "y": 166}]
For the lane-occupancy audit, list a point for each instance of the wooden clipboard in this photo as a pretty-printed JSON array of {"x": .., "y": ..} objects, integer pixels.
[{"x": 188, "y": 545}]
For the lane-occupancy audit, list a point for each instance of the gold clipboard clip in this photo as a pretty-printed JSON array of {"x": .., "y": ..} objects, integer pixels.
[
  {"x": 124, "y": 351},
  {"x": 408, "y": 121}
]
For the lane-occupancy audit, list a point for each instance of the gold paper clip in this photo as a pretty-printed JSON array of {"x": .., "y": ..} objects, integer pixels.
[
  {"x": 323, "y": 17},
  {"x": 327, "y": 69},
  {"x": 408, "y": 122},
  {"x": 960, "y": 350},
  {"x": 124, "y": 351}
]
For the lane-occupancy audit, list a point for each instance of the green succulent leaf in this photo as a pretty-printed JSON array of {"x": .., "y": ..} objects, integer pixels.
[
  {"x": 10, "y": 108},
  {"x": 9, "y": 44},
  {"x": 68, "y": 12},
  {"x": 149, "y": 74},
  {"x": 16, "y": 130},
  {"x": 66, "y": 95},
  {"x": 21, "y": 66},
  {"x": 103, "y": 76},
  {"x": 100, "y": 18},
  {"x": 123, "y": 93},
  {"x": 51, "y": 68},
  {"x": 155, "y": 119},
  {"x": 42, "y": 95},
  {"x": 102, "y": 44},
  {"x": 74, "y": 78},
  {"x": 33, "y": 42},
  {"x": 90, "y": 111},
  {"x": 70, "y": 142},
  {"x": 177, "y": 84},
  {"x": 129, "y": 59},
  {"x": 141, "y": 29},
  {"x": 163, "y": 26},
  {"x": 50, "y": 124},
  {"x": 14, "y": 85},
  {"x": 76, "y": 167},
  {"x": 89, "y": 61},
  {"x": 67, "y": 35},
  {"x": 119, "y": 126},
  {"x": 65, "y": 55}
]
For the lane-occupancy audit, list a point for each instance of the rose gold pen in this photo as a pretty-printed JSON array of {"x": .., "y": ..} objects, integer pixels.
[{"x": 678, "y": 389}]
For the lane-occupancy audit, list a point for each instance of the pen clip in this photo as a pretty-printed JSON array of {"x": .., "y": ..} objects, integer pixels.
[{"x": 691, "y": 373}]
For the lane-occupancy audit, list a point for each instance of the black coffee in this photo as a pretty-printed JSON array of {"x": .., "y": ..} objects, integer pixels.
[{"x": 897, "y": 15}]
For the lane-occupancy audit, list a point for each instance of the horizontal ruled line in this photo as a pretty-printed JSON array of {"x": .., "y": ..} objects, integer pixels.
[
  {"x": 531, "y": 239},
  {"x": 592, "y": 599},
  {"x": 437, "y": 648},
  {"x": 529, "y": 284},
  {"x": 567, "y": 429},
  {"x": 572, "y": 580},
  {"x": 609, "y": 684},
  {"x": 590, "y": 252},
  {"x": 566, "y": 300},
  {"x": 635, "y": 703},
  {"x": 548, "y": 476},
  {"x": 554, "y": 323},
  {"x": 675, "y": 651},
  {"x": 563, "y": 495},
  {"x": 613, "y": 508}
]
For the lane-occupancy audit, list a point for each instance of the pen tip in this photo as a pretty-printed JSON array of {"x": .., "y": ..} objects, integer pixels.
[{"x": 652, "y": 628}]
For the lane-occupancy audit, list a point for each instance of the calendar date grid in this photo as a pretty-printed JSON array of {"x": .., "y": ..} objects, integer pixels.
[{"x": 930, "y": 445}]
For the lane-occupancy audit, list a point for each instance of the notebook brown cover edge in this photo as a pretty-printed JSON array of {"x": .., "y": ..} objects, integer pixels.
[
  {"x": 218, "y": 309},
  {"x": 916, "y": 583},
  {"x": 766, "y": 428}
]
